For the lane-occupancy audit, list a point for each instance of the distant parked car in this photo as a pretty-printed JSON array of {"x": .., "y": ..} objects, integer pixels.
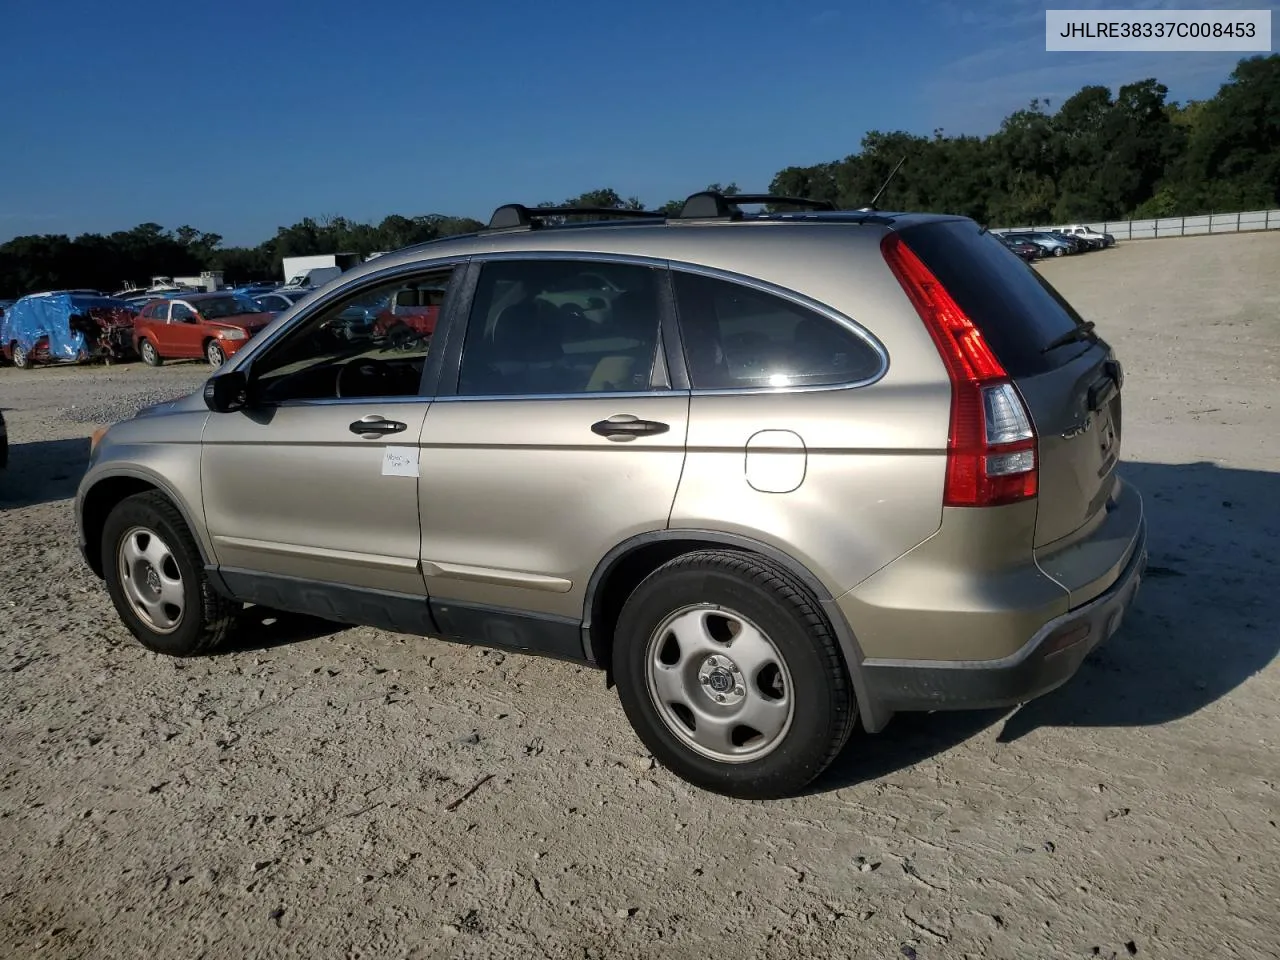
[
  {"x": 256, "y": 290},
  {"x": 1083, "y": 242},
  {"x": 276, "y": 302},
  {"x": 1052, "y": 244},
  {"x": 66, "y": 326},
  {"x": 1099, "y": 240},
  {"x": 1024, "y": 248},
  {"x": 209, "y": 325},
  {"x": 140, "y": 301},
  {"x": 1078, "y": 244}
]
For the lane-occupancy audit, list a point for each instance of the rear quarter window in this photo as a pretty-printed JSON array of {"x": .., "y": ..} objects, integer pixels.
[
  {"x": 1018, "y": 311},
  {"x": 738, "y": 337}
]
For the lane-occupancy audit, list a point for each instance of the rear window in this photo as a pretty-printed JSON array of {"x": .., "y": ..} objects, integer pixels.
[{"x": 1017, "y": 310}]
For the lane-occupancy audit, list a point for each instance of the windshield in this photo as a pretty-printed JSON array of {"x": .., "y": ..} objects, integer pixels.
[{"x": 216, "y": 308}]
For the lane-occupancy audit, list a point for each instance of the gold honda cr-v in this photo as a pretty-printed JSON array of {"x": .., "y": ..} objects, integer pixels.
[{"x": 778, "y": 474}]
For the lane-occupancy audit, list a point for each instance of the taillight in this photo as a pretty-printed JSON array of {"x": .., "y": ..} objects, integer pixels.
[{"x": 991, "y": 443}]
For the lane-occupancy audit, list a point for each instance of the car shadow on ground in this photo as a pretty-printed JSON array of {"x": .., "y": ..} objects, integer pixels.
[
  {"x": 262, "y": 628},
  {"x": 1204, "y": 623},
  {"x": 42, "y": 471}
]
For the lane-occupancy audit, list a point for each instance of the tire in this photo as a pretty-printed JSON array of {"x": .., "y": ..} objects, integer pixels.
[
  {"x": 1058, "y": 251},
  {"x": 214, "y": 354},
  {"x": 21, "y": 359},
  {"x": 156, "y": 579},
  {"x": 150, "y": 355},
  {"x": 797, "y": 692}
]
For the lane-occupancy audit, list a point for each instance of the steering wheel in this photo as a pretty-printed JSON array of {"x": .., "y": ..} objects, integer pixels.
[{"x": 365, "y": 377}]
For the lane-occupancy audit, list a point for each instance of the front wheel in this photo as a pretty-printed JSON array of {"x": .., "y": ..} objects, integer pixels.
[
  {"x": 213, "y": 353},
  {"x": 728, "y": 671},
  {"x": 157, "y": 582},
  {"x": 150, "y": 355},
  {"x": 1058, "y": 251}
]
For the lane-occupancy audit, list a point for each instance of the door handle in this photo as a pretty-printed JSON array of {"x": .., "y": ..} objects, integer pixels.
[
  {"x": 374, "y": 426},
  {"x": 623, "y": 426}
]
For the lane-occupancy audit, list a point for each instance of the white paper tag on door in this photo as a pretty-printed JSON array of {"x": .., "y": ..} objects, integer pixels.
[{"x": 400, "y": 461}]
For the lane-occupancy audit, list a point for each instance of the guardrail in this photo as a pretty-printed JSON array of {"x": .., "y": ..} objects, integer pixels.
[{"x": 1177, "y": 226}]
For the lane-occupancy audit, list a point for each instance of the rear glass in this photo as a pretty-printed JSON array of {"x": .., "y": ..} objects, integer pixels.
[{"x": 1017, "y": 310}]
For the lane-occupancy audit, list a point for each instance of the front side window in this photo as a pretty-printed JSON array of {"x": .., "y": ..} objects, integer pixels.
[
  {"x": 359, "y": 346},
  {"x": 737, "y": 336},
  {"x": 546, "y": 327},
  {"x": 181, "y": 313}
]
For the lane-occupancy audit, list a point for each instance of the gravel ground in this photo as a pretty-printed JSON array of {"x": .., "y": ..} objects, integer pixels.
[{"x": 327, "y": 792}]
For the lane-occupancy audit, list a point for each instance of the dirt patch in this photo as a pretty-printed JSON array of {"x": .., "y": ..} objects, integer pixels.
[{"x": 328, "y": 792}]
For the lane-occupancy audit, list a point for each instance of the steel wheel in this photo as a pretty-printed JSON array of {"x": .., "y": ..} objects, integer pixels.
[
  {"x": 151, "y": 579},
  {"x": 149, "y": 354},
  {"x": 719, "y": 683},
  {"x": 213, "y": 352}
]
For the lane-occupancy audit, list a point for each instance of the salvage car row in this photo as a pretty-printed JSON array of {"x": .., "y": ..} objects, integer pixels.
[
  {"x": 1055, "y": 242},
  {"x": 79, "y": 326}
]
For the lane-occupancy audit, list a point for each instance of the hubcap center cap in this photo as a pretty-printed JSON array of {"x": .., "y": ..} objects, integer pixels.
[
  {"x": 722, "y": 681},
  {"x": 153, "y": 580}
]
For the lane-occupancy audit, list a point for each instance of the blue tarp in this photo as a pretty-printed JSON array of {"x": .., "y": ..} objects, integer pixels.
[{"x": 49, "y": 315}]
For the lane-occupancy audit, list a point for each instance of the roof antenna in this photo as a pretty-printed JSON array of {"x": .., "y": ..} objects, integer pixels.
[{"x": 884, "y": 186}]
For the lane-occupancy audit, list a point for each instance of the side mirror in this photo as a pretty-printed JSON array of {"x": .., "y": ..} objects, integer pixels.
[{"x": 227, "y": 392}]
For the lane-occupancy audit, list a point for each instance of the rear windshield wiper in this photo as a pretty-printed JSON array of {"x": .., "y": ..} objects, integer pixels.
[{"x": 1085, "y": 329}]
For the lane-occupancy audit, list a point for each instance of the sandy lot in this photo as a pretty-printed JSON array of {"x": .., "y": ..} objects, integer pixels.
[{"x": 298, "y": 796}]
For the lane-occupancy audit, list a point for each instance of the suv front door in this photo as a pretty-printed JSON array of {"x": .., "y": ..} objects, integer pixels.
[
  {"x": 311, "y": 492},
  {"x": 554, "y": 437}
]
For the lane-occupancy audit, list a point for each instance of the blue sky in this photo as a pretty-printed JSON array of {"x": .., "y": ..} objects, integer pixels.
[{"x": 238, "y": 117}]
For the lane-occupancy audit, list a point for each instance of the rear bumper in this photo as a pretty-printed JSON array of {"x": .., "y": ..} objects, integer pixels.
[{"x": 1048, "y": 660}]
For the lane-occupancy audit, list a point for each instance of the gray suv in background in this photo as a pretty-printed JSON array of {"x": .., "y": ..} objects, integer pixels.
[{"x": 778, "y": 474}]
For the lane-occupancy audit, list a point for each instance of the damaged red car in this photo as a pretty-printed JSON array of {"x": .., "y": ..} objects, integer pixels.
[{"x": 66, "y": 327}]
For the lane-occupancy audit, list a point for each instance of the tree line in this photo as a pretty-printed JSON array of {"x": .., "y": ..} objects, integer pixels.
[{"x": 1096, "y": 157}]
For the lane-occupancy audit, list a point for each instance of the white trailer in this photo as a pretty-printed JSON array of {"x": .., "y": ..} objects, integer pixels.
[{"x": 317, "y": 269}]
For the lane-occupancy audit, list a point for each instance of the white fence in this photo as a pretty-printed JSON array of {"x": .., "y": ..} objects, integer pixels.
[{"x": 1178, "y": 226}]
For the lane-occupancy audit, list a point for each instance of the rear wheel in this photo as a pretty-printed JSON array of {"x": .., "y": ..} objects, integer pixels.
[
  {"x": 21, "y": 359},
  {"x": 213, "y": 353},
  {"x": 729, "y": 673},
  {"x": 156, "y": 579},
  {"x": 150, "y": 355}
]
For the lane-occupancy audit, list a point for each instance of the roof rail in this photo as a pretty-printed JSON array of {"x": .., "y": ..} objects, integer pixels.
[
  {"x": 709, "y": 204},
  {"x": 516, "y": 215}
]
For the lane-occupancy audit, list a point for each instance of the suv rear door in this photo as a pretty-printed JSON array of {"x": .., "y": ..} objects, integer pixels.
[
  {"x": 553, "y": 438},
  {"x": 1068, "y": 377}
]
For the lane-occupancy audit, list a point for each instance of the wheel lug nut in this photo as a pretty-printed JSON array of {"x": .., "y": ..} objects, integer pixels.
[
  {"x": 720, "y": 698},
  {"x": 706, "y": 681},
  {"x": 738, "y": 691}
]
